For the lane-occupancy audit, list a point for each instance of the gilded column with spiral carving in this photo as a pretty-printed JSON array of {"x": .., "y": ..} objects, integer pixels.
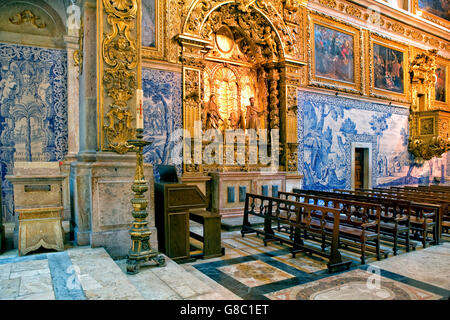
[{"x": 274, "y": 115}]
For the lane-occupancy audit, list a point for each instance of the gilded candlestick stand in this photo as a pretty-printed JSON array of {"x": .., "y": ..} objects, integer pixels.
[{"x": 141, "y": 251}]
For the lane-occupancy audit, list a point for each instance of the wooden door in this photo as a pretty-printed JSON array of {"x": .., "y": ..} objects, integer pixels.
[{"x": 359, "y": 168}]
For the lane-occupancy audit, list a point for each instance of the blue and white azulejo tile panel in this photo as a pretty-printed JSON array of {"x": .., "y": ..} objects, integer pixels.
[
  {"x": 327, "y": 127},
  {"x": 33, "y": 109},
  {"x": 162, "y": 115}
]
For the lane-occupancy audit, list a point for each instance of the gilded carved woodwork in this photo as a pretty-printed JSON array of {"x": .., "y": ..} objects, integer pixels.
[
  {"x": 429, "y": 124},
  {"x": 121, "y": 60},
  {"x": 274, "y": 102},
  {"x": 422, "y": 70},
  {"x": 27, "y": 16},
  {"x": 253, "y": 42},
  {"x": 379, "y": 19},
  {"x": 78, "y": 54}
]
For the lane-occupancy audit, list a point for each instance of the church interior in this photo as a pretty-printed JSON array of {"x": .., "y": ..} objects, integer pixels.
[{"x": 224, "y": 150}]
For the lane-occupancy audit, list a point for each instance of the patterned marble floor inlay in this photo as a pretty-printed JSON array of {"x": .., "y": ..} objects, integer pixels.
[
  {"x": 271, "y": 272},
  {"x": 307, "y": 264},
  {"x": 353, "y": 285},
  {"x": 255, "y": 273}
]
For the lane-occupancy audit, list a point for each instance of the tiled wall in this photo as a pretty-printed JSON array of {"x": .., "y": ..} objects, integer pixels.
[
  {"x": 33, "y": 109},
  {"x": 328, "y": 126},
  {"x": 162, "y": 113}
]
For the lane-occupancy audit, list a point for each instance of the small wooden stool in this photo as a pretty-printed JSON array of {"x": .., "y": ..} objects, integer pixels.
[{"x": 40, "y": 227}]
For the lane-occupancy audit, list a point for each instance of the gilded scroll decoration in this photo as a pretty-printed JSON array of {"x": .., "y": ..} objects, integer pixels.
[
  {"x": 120, "y": 55},
  {"x": 27, "y": 16},
  {"x": 78, "y": 54},
  {"x": 429, "y": 131}
]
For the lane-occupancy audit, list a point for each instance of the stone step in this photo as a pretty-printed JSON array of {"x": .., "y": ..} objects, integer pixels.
[
  {"x": 173, "y": 282},
  {"x": 90, "y": 273}
]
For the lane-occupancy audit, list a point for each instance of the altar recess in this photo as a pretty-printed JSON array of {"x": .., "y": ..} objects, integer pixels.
[{"x": 241, "y": 67}]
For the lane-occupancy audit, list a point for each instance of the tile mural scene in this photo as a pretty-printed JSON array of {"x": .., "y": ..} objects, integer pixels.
[
  {"x": 327, "y": 127},
  {"x": 33, "y": 102},
  {"x": 162, "y": 113}
]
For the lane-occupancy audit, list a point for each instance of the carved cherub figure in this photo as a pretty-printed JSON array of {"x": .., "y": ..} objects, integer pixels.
[{"x": 269, "y": 39}]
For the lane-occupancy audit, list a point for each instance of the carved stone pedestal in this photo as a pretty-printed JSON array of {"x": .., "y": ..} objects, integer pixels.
[
  {"x": 40, "y": 227},
  {"x": 38, "y": 202},
  {"x": 101, "y": 193}
]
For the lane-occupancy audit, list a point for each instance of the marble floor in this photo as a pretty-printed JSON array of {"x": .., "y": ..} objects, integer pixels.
[{"x": 248, "y": 271}]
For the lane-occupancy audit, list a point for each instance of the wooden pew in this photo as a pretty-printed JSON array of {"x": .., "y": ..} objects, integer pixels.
[
  {"x": 441, "y": 200},
  {"x": 361, "y": 218},
  {"x": 394, "y": 218},
  {"x": 299, "y": 216},
  {"x": 443, "y": 195},
  {"x": 425, "y": 217}
]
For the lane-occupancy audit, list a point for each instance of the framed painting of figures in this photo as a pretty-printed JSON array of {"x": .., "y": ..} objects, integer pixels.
[
  {"x": 388, "y": 69},
  {"x": 437, "y": 11},
  {"x": 152, "y": 29},
  {"x": 334, "y": 52},
  {"x": 442, "y": 96}
]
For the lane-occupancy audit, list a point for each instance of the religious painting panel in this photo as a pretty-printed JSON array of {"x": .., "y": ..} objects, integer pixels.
[
  {"x": 434, "y": 10},
  {"x": 442, "y": 95},
  {"x": 388, "y": 69},
  {"x": 148, "y": 23},
  {"x": 152, "y": 36},
  {"x": 334, "y": 50}
]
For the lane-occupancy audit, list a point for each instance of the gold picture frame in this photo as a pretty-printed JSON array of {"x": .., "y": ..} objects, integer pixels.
[
  {"x": 321, "y": 21},
  {"x": 428, "y": 15},
  {"x": 391, "y": 89},
  {"x": 156, "y": 52},
  {"x": 440, "y": 61}
]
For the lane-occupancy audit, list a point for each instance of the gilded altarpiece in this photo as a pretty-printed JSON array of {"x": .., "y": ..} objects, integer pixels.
[{"x": 233, "y": 51}]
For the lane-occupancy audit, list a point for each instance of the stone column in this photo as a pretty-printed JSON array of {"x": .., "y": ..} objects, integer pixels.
[
  {"x": 80, "y": 173},
  {"x": 88, "y": 85},
  {"x": 73, "y": 100},
  {"x": 72, "y": 45}
]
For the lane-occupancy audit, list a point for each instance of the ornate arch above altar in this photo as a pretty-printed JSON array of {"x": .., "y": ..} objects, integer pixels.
[{"x": 233, "y": 51}]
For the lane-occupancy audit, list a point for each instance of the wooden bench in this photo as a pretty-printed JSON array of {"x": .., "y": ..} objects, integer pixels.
[
  {"x": 323, "y": 221},
  {"x": 394, "y": 217},
  {"x": 424, "y": 219}
]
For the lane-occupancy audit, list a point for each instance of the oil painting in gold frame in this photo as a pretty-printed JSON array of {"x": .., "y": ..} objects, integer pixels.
[
  {"x": 442, "y": 85},
  {"x": 334, "y": 50},
  {"x": 388, "y": 76},
  {"x": 437, "y": 11},
  {"x": 152, "y": 36}
]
